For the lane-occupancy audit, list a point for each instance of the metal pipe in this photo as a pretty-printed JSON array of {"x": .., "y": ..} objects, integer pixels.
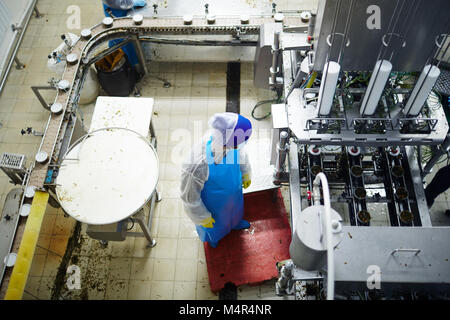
[
  {"x": 281, "y": 155},
  {"x": 5, "y": 74},
  {"x": 294, "y": 182},
  {"x": 275, "y": 52},
  {"x": 140, "y": 54},
  {"x": 311, "y": 26},
  {"x": 145, "y": 230},
  {"x": 188, "y": 42},
  {"x": 322, "y": 179},
  {"x": 356, "y": 91},
  {"x": 40, "y": 97}
]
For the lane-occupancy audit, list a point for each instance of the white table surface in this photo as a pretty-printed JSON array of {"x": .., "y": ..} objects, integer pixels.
[
  {"x": 123, "y": 112},
  {"x": 113, "y": 173}
]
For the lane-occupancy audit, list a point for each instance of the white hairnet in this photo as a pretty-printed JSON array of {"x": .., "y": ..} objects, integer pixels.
[
  {"x": 222, "y": 125},
  {"x": 119, "y": 4},
  {"x": 228, "y": 129}
]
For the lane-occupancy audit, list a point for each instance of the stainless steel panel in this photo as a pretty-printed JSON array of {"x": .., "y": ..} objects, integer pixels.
[
  {"x": 375, "y": 246},
  {"x": 299, "y": 113},
  {"x": 263, "y": 56},
  {"x": 416, "y": 177},
  {"x": 417, "y": 24}
]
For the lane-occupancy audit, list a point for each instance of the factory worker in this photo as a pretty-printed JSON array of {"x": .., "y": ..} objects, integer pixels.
[
  {"x": 119, "y": 8},
  {"x": 213, "y": 177}
]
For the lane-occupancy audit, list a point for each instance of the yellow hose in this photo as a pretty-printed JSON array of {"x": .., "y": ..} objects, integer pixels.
[{"x": 311, "y": 80}]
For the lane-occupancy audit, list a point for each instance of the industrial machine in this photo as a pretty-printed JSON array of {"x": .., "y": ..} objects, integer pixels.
[
  {"x": 356, "y": 114},
  {"x": 65, "y": 134}
]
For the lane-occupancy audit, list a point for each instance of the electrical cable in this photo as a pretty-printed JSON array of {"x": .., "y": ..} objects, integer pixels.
[
  {"x": 260, "y": 103},
  {"x": 132, "y": 226}
]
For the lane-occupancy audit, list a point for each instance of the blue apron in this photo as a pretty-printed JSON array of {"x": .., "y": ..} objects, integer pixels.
[{"x": 222, "y": 195}]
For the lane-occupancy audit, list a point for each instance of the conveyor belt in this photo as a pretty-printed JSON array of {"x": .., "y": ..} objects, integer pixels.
[
  {"x": 56, "y": 125},
  {"x": 28, "y": 243},
  {"x": 24, "y": 242}
]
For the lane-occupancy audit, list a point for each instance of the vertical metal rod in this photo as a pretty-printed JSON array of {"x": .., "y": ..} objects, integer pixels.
[
  {"x": 294, "y": 184},
  {"x": 275, "y": 52},
  {"x": 420, "y": 208},
  {"x": 281, "y": 152},
  {"x": 388, "y": 183},
  {"x": 146, "y": 231},
  {"x": 140, "y": 54},
  {"x": 311, "y": 26},
  {"x": 346, "y": 29}
]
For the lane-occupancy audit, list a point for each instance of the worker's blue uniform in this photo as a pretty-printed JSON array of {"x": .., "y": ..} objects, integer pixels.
[
  {"x": 222, "y": 196},
  {"x": 128, "y": 49}
]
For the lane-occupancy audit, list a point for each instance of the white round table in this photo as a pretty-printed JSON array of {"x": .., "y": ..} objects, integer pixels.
[{"x": 107, "y": 176}]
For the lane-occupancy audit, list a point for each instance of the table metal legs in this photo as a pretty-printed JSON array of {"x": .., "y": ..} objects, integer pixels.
[{"x": 146, "y": 225}]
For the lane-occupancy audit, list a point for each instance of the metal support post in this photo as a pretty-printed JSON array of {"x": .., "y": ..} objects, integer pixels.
[{"x": 282, "y": 149}]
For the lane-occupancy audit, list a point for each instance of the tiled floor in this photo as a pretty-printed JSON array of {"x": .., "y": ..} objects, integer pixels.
[{"x": 176, "y": 267}]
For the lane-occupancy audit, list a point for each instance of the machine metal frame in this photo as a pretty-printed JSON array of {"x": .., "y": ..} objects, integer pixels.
[{"x": 397, "y": 249}]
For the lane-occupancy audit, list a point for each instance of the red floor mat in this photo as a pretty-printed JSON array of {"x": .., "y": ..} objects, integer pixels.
[{"x": 250, "y": 256}]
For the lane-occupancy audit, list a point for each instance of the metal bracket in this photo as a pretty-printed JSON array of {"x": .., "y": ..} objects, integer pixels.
[
  {"x": 16, "y": 27},
  {"x": 38, "y": 14},
  {"x": 417, "y": 251},
  {"x": 40, "y": 97},
  {"x": 19, "y": 65}
]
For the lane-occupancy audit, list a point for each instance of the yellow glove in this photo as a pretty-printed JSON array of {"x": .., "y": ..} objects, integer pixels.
[
  {"x": 208, "y": 222},
  {"x": 246, "y": 181}
]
